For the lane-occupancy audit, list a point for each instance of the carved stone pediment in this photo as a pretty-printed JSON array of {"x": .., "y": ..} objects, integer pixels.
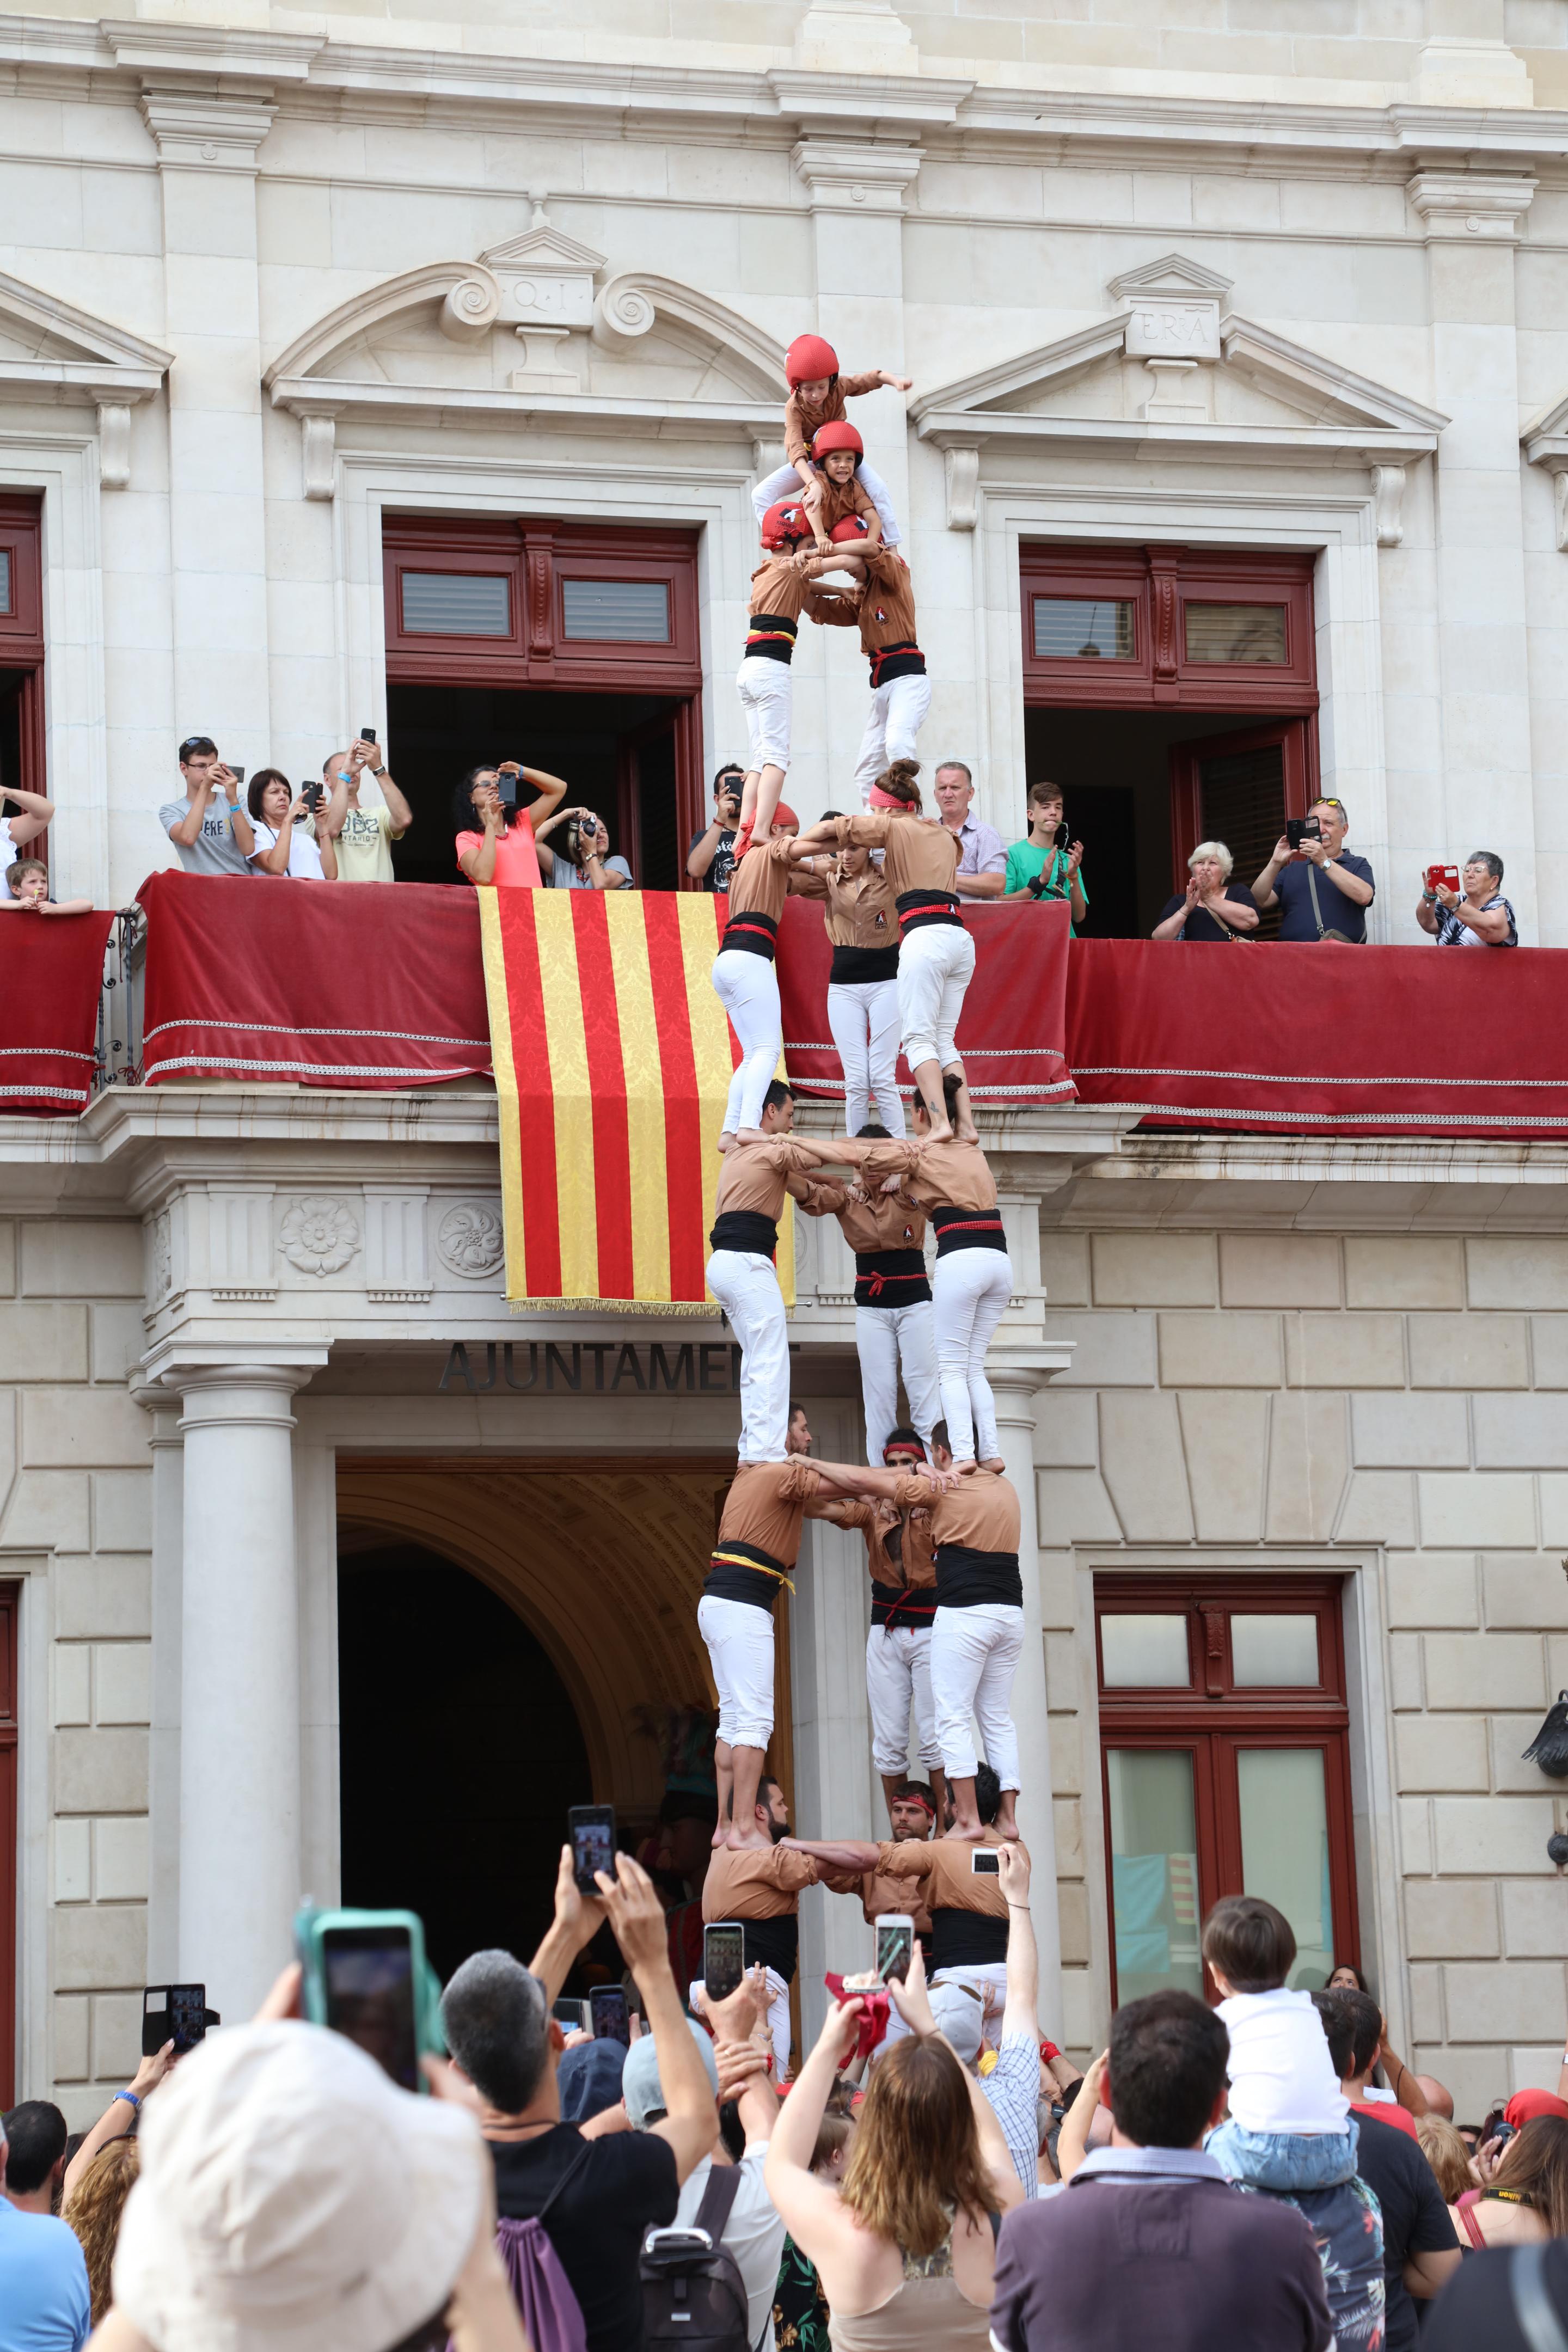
[{"x": 50, "y": 351}]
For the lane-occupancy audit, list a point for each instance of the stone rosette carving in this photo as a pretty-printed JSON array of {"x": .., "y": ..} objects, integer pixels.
[
  {"x": 470, "y": 1239},
  {"x": 320, "y": 1235}
]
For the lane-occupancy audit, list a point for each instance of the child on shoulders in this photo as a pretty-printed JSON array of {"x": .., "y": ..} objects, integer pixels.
[{"x": 1289, "y": 2125}]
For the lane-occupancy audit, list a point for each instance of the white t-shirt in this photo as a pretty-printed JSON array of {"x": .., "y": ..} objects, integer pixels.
[
  {"x": 304, "y": 857},
  {"x": 754, "y": 2236},
  {"x": 1282, "y": 2078},
  {"x": 9, "y": 853}
]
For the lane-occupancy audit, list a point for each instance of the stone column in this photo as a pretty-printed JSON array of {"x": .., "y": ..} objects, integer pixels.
[
  {"x": 239, "y": 1676},
  {"x": 164, "y": 1780},
  {"x": 1014, "y": 1385}
]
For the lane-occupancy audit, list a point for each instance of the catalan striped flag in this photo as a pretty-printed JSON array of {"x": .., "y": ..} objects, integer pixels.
[{"x": 613, "y": 1059}]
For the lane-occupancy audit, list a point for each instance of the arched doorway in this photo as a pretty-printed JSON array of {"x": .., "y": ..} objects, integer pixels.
[{"x": 459, "y": 1752}]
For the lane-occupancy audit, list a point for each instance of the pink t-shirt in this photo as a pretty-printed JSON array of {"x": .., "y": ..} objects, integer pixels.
[{"x": 517, "y": 859}]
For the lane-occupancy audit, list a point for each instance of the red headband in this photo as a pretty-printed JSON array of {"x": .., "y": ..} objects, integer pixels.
[
  {"x": 914, "y": 1797},
  {"x": 879, "y": 798},
  {"x": 784, "y": 814}
]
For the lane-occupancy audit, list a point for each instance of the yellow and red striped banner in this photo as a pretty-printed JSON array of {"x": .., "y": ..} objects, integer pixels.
[{"x": 613, "y": 1058}]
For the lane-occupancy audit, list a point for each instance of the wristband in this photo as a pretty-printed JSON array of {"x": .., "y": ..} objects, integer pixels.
[
  {"x": 128, "y": 2095},
  {"x": 1048, "y": 2051}
]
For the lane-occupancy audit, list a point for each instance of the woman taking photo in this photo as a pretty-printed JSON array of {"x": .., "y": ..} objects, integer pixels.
[
  {"x": 936, "y": 954},
  {"x": 863, "y": 986},
  {"x": 284, "y": 825},
  {"x": 906, "y": 2247},
  {"x": 573, "y": 848},
  {"x": 502, "y": 852},
  {"x": 1524, "y": 2192}
]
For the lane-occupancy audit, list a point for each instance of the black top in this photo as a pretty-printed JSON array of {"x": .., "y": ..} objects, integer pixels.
[
  {"x": 624, "y": 2186},
  {"x": 1293, "y": 888},
  {"x": 718, "y": 874},
  {"x": 1415, "y": 2218},
  {"x": 1200, "y": 924},
  {"x": 1476, "y": 2307}
]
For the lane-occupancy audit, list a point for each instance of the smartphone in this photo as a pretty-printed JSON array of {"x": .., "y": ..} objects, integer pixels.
[
  {"x": 592, "y": 1829},
  {"x": 367, "y": 734},
  {"x": 895, "y": 1946},
  {"x": 723, "y": 1957},
  {"x": 238, "y": 774},
  {"x": 611, "y": 2018},
  {"x": 1299, "y": 829},
  {"x": 365, "y": 1976},
  {"x": 311, "y": 796},
  {"x": 572, "y": 2016},
  {"x": 177, "y": 2013},
  {"x": 506, "y": 791},
  {"x": 985, "y": 1860},
  {"x": 1444, "y": 876}
]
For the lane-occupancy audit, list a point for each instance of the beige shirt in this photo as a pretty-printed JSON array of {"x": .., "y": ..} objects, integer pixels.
[
  {"x": 981, "y": 1512},
  {"x": 885, "y": 613},
  {"x": 920, "y": 854},
  {"x": 878, "y": 1895},
  {"x": 804, "y": 418},
  {"x": 860, "y": 912},
  {"x": 764, "y": 1506},
  {"x": 756, "y": 1882},
  {"x": 884, "y": 1223},
  {"x": 915, "y": 1565},
  {"x": 945, "y": 1874},
  {"x": 946, "y": 1175},
  {"x": 757, "y": 1175},
  {"x": 782, "y": 587},
  {"x": 764, "y": 878}
]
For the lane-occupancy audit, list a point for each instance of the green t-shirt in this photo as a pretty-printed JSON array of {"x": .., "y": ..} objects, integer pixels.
[{"x": 1024, "y": 861}]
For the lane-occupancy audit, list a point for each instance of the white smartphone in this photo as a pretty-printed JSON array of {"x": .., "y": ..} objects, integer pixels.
[
  {"x": 895, "y": 1946},
  {"x": 985, "y": 1860}
]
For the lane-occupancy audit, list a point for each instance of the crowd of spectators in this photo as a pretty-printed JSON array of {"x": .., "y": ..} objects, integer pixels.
[{"x": 1228, "y": 2176}]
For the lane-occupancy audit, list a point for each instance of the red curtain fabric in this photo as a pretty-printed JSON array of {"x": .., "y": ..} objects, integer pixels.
[
  {"x": 321, "y": 984},
  {"x": 1323, "y": 1040},
  {"x": 1013, "y": 1035},
  {"x": 51, "y": 974}
]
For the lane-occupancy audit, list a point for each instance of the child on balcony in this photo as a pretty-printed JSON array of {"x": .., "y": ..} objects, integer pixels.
[
  {"x": 26, "y": 892},
  {"x": 817, "y": 396}
]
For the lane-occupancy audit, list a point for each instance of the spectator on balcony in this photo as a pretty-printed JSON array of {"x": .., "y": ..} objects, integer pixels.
[
  {"x": 1478, "y": 916},
  {"x": 287, "y": 840},
  {"x": 577, "y": 858},
  {"x": 208, "y": 828},
  {"x": 710, "y": 859},
  {"x": 1212, "y": 907},
  {"x": 503, "y": 853},
  {"x": 364, "y": 837},
  {"x": 982, "y": 853},
  {"x": 1323, "y": 890},
  {"x": 1044, "y": 866},
  {"x": 26, "y": 891}
]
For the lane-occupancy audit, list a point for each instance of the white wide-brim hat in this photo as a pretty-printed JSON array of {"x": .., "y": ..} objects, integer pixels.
[{"x": 291, "y": 2199}]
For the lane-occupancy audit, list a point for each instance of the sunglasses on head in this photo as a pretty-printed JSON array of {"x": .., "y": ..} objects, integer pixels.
[{"x": 196, "y": 743}]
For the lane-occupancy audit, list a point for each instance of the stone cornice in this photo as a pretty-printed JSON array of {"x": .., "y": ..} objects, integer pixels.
[
  {"x": 1460, "y": 206},
  {"x": 201, "y": 131}
]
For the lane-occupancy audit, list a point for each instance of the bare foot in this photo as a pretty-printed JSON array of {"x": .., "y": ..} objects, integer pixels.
[
  {"x": 993, "y": 1461},
  {"x": 942, "y": 1134},
  {"x": 726, "y": 1143},
  {"x": 966, "y": 1834},
  {"x": 720, "y": 1836},
  {"x": 968, "y": 1132},
  {"x": 965, "y": 1469},
  {"x": 1006, "y": 1819}
]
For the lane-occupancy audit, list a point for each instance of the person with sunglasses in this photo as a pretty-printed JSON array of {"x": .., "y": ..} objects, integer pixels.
[
  {"x": 1323, "y": 890},
  {"x": 209, "y": 828}
]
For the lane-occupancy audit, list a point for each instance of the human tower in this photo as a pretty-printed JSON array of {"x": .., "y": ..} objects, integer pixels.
[{"x": 938, "y": 1516}]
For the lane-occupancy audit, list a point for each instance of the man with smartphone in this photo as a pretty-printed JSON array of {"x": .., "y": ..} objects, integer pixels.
[
  {"x": 209, "y": 828},
  {"x": 1324, "y": 890},
  {"x": 710, "y": 859},
  {"x": 363, "y": 835}
]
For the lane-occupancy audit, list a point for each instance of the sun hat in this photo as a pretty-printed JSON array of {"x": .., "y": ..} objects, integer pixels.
[
  {"x": 293, "y": 2199},
  {"x": 640, "y": 2086}
]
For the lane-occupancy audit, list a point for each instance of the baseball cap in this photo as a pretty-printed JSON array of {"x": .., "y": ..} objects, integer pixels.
[
  {"x": 640, "y": 2086},
  {"x": 960, "y": 2014},
  {"x": 291, "y": 2199}
]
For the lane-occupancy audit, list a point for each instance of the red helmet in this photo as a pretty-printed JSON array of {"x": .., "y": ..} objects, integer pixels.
[
  {"x": 852, "y": 526},
  {"x": 841, "y": 436},
  {"x": 786, "y": 524},
  {"x": 808, "y": 359}
]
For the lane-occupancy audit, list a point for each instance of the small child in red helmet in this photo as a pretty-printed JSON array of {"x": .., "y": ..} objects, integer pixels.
[
  {"x": 817, "y": 396},
  {"x": 840, "y": 453}
]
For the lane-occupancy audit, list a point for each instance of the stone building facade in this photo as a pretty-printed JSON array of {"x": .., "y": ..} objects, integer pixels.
[{"x": 1198, "y": 281}]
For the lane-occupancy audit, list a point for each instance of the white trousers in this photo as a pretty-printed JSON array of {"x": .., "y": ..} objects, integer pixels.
[
  {"x": 969, "y": 1289},
  {"x": 740, "y": 1639},
  {"x": 764, "y": 686},
  {"x": 893, "y": 723},
  {"x": 936, "y": 964},
  {"x": 898, "y": 1676},
  {"x": 778, "y": 2020},
  {"x": 863, "y": 1016},
  {"x": 747, "y": 1288},
  {"x": 787, "y": 482},
  {"x": 747, "y": 986},
  {"x": 973, "y": 1657},
  {"x": 885, "y": 1338}
]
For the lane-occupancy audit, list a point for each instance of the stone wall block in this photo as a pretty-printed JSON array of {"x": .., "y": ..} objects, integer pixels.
[
  {"x": 1441, "y": 1751},
  {"x": 1072, "y": 1901},
  {"x": 1062, "y": 1690},
  {"x": 1528, "y": 1270},
  {"x": 1064, "y": 1266},
  {"x": 1278, "y": 1270},
  {"x": 99, "y": 1946},
  {"x": 1535, "y": 2065},
  {"x": 82, "y": 1257},
  {"x": 1451, "y": 1919},
  {"x": 7, "y": 1258},
  {"x": 1549, "y": 1351},
  {"x": 70, "y": 1429},
  {"x": 42, "y": 1341},
  {"x": 122, "y": 1509},
  {"x": 1143, "y": 1466},
  {"x": 1410, "y": 1433},
  {"x": 123, "y": 1672},
  {"x": 1404, "y": 1270},
  {"x": 49, "y": 1509},
  {"x": 118, "y": 1339},
  {"x": 120, "y": 1858},
  {"x": 1510, "y": 1736},
  {"x": 1405, "y": 1683},
  {"x": 1079, "y": 2005},
  {"x": 1502, "y": 1670},
  {"x": 70, "y": 2021},
  {"x": 73, "y": 1683},
  {"x": 73, "y": 1862},
  {"x": 1058, "y": 1585},
  {"x": 1066, "y": 1432},
  {"x": 1327, "y": 1352},
  {"x": 1480, "y": 1836},
  {"x": 1308, "y": 1461},
  {"x": 1111, "y": 1351},
  {"x": 1379, "y": 1508},
  {"x": 1522, "y": 1432},
  {"x": 1532, "y": 1592},
  {"x": 1074, "y": 1508},
  {"x": 1432, "y": 1589},
  {"x": 1494, "y": 1506},
  {"x": 1225, "y": 1436},
  {"x": 1066, "y": 1754},
  {"x": 1523, "y": 2001},
  {"x": 1469, "y": 1351},
  {"x": 1416, "y": 1834},
  {"x": 1067, "y": 1814},
  {"x": 1155, "y": 1269},
  {"x": 1426, "y": 2001},
  {"x": 101, "y": 1772},
  {"x": 1220, "y": 1351},
  {"x": 103, "y": 1597},
  {"x": 116, "y": 2035},
  {"x": 1535, "y": 1919},
  {"x": 1473, "y": 2075}
]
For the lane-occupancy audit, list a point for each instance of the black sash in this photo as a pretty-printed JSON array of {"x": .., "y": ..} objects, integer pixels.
[
  {"x": 920, "y": 908},
  {"x": 967, "y": 1579},
  {"x": 890, "y": 1277},
  {"x": 854, "y": 967},
  {"x": 966, "y": 1939},
  {"x": 753, "y": 934},
  {"x": 745, "y": 1571},
  {"x": 745, "y": 1230},
  {"x": 959, "y": 1229}
]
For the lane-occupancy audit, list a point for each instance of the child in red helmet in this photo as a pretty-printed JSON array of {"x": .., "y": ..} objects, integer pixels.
[
  {"x": 817, "y": 396},
  {"x": 839, "y": 451},
  {"x": 782, "y": 587}
]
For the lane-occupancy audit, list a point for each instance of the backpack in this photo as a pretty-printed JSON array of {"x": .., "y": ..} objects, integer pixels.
[
  {"x": 552, "y": 2315},
  {"x": 692, "y": 2291}
]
